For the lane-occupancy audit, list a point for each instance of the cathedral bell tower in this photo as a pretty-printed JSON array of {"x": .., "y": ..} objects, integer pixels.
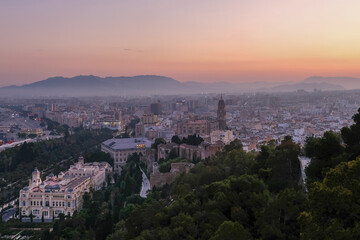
[{"x": 221, "y": 114}]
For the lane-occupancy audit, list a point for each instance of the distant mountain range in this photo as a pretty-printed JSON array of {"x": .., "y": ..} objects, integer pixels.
[
  {"x": 346, "y": 82},
  {"x": 157, "y": 85}
]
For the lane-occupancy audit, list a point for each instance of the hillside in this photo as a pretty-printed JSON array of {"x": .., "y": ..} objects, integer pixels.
[
  {"x": 89, "y": 85},
  {"x": 346, "y": 82}
]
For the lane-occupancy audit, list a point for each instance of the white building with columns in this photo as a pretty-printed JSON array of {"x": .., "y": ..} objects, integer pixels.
[{"x": 45, "y": 200}]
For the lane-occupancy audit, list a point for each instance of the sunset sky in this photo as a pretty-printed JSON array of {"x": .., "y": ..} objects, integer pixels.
[{"x": 189, "y": 40}]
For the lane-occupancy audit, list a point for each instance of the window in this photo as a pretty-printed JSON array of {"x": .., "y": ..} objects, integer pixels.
[
  {"x": 63, "y": 204},
  {"x": 36, "y": 211},
  {"x": 23, "y": 195},
  {"x": 47, "y": 203},
  {"x": 31, "y": 203},
  {"x": 57, "y": 212},
  {"x": 68, "y": 204},
  {"x": 46, "y": 213},
  {"x": 23, "y": 203}
]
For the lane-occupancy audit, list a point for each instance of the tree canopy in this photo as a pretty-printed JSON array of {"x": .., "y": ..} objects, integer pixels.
[{"x": 334, "y": 210}]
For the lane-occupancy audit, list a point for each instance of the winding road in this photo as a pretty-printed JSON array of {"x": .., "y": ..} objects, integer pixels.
[{"x": 145, "y": 185}]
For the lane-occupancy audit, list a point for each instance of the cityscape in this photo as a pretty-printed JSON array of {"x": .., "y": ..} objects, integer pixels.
[
  {"x": 252, "y": 118},
  {"x": 136, "y": 124},
  {"x": 167, "y": 120}
]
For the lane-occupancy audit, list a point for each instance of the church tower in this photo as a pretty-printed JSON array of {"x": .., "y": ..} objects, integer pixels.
[
  {"x": 81, "y": 161},
  {"x": 35, "y": 180},
  {"x": 221, "y": 114}
]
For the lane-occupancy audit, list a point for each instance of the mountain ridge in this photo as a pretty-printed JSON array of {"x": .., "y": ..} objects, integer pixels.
[
  {"x": 346, "y": 82},
  {"x": 90, "y": 85}
]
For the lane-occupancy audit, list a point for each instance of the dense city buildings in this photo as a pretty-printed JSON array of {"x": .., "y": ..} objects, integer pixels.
[
  {"x": 252, "y": 118},
  {"x": 44, "y": 200}
]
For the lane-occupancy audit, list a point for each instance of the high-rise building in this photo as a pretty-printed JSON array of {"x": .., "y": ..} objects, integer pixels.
[
  {"x": 155, "y": 108},
  {"x": 139, "y": 130},
  {"x": 118, "y": 116},
  {"x": 221, "y": 114},
  {"x": 53, "y": 107}
]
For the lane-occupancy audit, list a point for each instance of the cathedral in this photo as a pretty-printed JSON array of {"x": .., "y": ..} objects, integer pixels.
[{"x": 221, "y": 114}]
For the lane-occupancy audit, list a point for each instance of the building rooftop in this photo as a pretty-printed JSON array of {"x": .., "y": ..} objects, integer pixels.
[
  {"x": 127, "y": 143},
  {"x": 74, "y": 183}
]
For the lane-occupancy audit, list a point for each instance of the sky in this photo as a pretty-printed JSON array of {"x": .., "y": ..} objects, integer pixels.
[{"x": 189, "y": 40}]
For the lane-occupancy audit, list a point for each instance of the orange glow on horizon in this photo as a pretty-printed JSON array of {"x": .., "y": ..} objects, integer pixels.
[{"x": 190, "y": 41}]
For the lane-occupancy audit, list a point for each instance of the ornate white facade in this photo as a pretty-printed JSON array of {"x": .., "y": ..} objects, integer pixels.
[{"x": 63, "y": 193}]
